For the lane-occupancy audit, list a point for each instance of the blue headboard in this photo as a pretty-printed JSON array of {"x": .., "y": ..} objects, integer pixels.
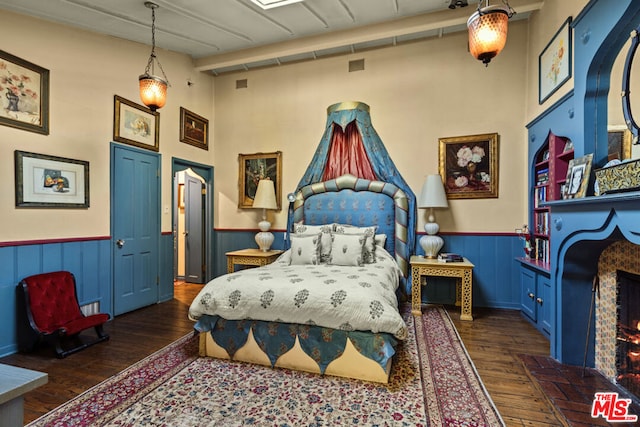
[{"x": 360, "y": 202}]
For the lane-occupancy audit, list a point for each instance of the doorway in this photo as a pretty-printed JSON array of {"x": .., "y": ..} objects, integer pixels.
[{"x": 192, "y": 221}]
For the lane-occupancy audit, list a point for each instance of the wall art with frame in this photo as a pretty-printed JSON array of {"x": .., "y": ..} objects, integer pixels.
[
  {"x": 194, "y": 129},
  {"x": 25, "y": 94},
  {"x": 253, "y": 168},
  {"x": 554, "y": 63},
  {"x": 469, "y": 166},
  {"x": 135, "y": 124},
  {"x": 578, "y": 174},
  {"x": 44, "y": 181}
]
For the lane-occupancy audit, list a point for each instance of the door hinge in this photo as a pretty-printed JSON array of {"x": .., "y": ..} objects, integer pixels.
[
  {"x": 204, "y": 191},
  {"x": 158, "y": 280},
  {"x": 158, "y": 173}
]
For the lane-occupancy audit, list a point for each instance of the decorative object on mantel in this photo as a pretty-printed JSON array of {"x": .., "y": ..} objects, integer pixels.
[
  {"x": 265, "y": 198},
  {"x": 488, "y": 30},
  {"x": 153, "y": 89},
  {"x": 618, "y": 177},
  {"x": 432, "y": 196},
  {"x": 578, "y": 174},
  {"x": 554, "y": 63},
  {"x": 469, "y": 166},
  {"x": 25, "y": 94}
]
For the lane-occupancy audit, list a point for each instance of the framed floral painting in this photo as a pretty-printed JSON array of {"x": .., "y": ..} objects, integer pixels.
[
  {"x": 469, "y": 166},
  {"x": 25, "y": 94},
  {"x": 554, "y": 63}
]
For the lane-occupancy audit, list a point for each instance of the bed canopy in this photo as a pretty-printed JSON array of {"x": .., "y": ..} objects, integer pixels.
[{"x": 350, "y": 145}]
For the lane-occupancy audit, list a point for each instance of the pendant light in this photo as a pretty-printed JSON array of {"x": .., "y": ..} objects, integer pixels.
[
  {"x": 153, "y": 89},
  {"x": 488, "y": 30}
]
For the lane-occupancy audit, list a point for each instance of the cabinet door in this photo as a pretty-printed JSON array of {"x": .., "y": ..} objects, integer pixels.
[
  {"x": 528, "y": 295},
  {"x": 543, "y": 299}
]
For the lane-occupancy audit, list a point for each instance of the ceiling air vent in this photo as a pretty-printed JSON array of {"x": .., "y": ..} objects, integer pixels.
[
  {"x": 356, "y": 65},
  {"x": 241, "y": 84}
]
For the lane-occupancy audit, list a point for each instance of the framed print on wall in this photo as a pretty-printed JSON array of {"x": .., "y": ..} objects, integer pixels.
[
  {"x": 554, "y": 63},
  {"x": 25, "y": 94},
  {"x": 135, "y": 124},
  {"x": 194, "y": 129},
  {"x": 44, "y": 181},
  {"x": 469, "y": 166},
  {"x": 253, "y": 168}
]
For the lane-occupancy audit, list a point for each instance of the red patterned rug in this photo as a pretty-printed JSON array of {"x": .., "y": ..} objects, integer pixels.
[{"x": 433, "y": 383}]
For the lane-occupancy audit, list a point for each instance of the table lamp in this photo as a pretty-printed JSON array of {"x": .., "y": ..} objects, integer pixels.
[
  {"x": 432, "y": 196},
  {"x": 265, "y": 198}
]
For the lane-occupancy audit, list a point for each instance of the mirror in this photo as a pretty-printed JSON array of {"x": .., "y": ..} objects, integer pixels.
[{"x": 620, "y": 139}]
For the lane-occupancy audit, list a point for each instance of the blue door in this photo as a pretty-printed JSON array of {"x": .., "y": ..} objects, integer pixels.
[{"x": 135, "y": 227}]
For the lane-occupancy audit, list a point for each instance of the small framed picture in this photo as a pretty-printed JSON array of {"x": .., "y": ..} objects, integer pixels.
[
  {"x": 194, "y": 129},
  {"x": 619, "y": 143},
  {"x": 469, "y": 166},
  {"x": 25, "y": 94},
  {"x": 253, "y": 168},
  {"x": 578, "y": 174},
  {"x": 135, "y": 124},
  {"x": 554, "y": 63},
  {"x": 44, "y": 181}
]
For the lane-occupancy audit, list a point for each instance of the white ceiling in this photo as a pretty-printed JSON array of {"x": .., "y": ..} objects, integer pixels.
[{"x": 230, "y": 35}]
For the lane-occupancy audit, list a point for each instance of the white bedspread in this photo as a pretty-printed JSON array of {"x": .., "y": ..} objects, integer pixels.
[{"x": 346, "y": 298}]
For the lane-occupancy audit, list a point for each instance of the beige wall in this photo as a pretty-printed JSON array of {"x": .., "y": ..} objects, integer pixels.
[
  {"x": 417, "y": 92},
  {"x": 86, "y": 71}
]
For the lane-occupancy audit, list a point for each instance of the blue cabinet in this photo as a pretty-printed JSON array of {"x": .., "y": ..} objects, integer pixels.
[{"x": 536, "y": 300}]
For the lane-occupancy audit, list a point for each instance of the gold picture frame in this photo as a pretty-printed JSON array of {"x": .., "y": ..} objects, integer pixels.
[
  {"x": 135, "y": 124},
  {"x": 619, "y": 143},
  {"x": 469, "y": 166},
  {"x": 194, "y": 129},
  {"x": 253, "y": 168},
  {"x": 578, "y": 173}
]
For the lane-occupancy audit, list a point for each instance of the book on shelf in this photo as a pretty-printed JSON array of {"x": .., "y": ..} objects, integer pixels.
[{"x": 449, "y": 257}]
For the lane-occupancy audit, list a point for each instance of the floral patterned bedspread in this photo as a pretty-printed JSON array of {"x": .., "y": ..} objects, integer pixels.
[{"x": 339, "y": 297}]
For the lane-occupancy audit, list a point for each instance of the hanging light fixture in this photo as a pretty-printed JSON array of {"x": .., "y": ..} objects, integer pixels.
[
  {"x": 153, "y": 89},
  {"x": 488, "y": 30}
]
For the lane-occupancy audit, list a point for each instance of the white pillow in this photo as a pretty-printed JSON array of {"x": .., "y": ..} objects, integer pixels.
[
  {"x": 381, "y": 240},
  {"x": 369, "y": 251},
  {"x": 347, "y": 249},
  {"x": 325, "y": 241},
  {"x": 305, "y": 249}
]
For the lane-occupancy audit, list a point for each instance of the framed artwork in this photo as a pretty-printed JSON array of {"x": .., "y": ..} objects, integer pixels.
[
  {"x": 135, "y": 124},
  {"x": 577, "y": 180},
  {"x": 554, "y": 63},
  {"x": 253, "y": 168},
  {"x": 619, "y": 143},
  {"x": 25, "y": 94},
  {"x": 194, "y": 129},
  {"x": 469, "y": 166},
  {"x": 44, "y": 181}
]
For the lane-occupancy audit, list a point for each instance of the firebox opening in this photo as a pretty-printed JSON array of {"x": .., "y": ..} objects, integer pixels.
[{"x": 628, "y": 332}]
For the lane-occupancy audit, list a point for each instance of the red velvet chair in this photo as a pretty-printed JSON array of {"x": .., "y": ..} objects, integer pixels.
[{"x": 53, "y": 313}]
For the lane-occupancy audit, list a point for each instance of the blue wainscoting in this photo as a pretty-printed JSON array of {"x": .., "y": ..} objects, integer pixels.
[
  {"x": 89, "y": 260},
  {"x": 496, "y": 276}
]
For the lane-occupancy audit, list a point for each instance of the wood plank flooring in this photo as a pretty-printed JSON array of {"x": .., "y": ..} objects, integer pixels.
[{"x": 494, "y": 339}]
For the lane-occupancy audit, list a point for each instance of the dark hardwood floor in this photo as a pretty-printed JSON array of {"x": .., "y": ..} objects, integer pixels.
[{"x": 494, "y": 340}]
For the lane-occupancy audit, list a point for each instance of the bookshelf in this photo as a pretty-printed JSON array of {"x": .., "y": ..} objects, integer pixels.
[{"x": 550, "y": 172}]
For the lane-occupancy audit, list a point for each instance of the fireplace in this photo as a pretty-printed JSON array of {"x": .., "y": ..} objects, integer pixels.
[{"x": 628, "y": 332}]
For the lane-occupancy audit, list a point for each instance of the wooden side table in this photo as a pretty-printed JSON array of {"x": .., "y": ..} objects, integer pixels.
[
  {"x": 250, "y": 257},
  {"x": 432, "y": 267}
]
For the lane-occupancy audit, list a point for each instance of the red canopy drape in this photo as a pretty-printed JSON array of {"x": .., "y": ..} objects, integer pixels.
[{"x": 347, "y": 154}]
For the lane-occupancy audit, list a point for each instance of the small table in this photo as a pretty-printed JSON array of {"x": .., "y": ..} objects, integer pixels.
[
  {"x": 15, "y": 383},
  {"x": 432, "y": 267},
  {"x": 251, "y": 257}
]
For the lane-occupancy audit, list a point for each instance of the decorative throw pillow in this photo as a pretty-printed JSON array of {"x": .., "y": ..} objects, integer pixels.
[
  {"x": 381, "y": 240},
  {"x": 325, "y": 240},
  {"x": 347, "y": 249},
  {"x": 369, "y": 254},
  {"x": 305, "y": 249}
]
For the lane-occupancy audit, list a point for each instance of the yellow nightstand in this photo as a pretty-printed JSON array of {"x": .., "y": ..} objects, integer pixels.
[
  {"x": 432, "y": 267},
  {"x": 250, "y": 257}
]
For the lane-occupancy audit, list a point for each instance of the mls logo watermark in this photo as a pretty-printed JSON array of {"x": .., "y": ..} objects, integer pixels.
[{"x": 613, "y": 409}]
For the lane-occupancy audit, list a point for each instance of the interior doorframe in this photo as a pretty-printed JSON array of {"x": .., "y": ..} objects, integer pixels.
[{"x": 206, "y": 172}]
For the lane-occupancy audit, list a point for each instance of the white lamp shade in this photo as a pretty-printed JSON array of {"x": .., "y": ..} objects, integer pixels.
[
  {"x": 432, "y": 194},
  {"x": 265, "y": 195}
]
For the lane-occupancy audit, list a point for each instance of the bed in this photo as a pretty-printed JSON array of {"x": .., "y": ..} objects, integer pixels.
[{"x": 329, "y": 303}]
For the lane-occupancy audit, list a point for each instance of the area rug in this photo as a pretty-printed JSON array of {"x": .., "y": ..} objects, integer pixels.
[{"x": 433, "y": 383}]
